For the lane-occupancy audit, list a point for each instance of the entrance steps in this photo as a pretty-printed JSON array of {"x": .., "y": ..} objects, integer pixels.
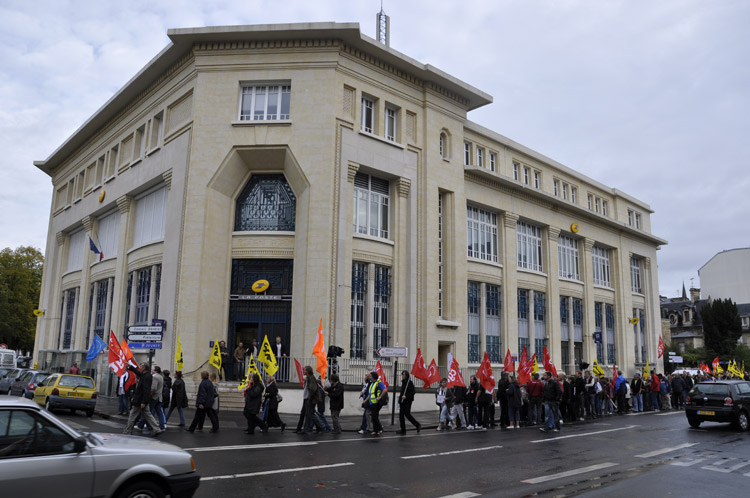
[{"x": 230, "y": 398}]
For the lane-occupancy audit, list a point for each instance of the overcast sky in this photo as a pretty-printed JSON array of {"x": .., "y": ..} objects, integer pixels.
[{"x": 652, "y": 98}]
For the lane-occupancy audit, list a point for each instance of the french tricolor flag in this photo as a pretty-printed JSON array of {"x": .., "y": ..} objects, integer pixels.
[{"x": 96, "y": 247}]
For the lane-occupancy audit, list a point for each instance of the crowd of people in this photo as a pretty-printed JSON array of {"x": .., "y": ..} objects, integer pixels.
[{"x": 547, "y": 402}]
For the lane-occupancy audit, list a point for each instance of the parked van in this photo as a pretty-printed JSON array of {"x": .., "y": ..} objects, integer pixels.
[{"x": 7, "y": 358}]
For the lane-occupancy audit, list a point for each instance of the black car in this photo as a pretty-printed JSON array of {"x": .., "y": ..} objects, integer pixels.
[{"x": 722, "y": 401}]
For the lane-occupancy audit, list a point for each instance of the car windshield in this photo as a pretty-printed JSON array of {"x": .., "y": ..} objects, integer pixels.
[
  {"x": 73, "y": 381},
  {"x": 40, "y": 377},
  {"x": 711, "y": 389}
]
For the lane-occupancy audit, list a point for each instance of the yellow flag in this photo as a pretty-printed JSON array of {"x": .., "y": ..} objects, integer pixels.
[
  {"x": 266, "y": 356},
  {"x": 215, "y": 359},
  {"x": 251, "y": 369},
  {"x": 597, "y": 370},
  {"x": 647, "y": 372},
  {"x": 178, "y": 354},
  {"x": 534, "y": 365}
]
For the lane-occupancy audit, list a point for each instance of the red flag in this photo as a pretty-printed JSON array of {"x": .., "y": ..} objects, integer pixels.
[
  {"x": 614, "y": 377},
  {"x": 484, "y": 374},
  {"x": 714, "y": 364},
  {"x": 116, "y": 361},
  {"x": 508, "y": 365},
  {"x": 524, "y": 368},
  {"x": 418, "y": 370},
  {"x": 300, "y": 372},
  {"x": 433, "y": 375},
  {"x": 454, "y": 375},
  {"x": 381, "y": 374},
  {"x": 547, "y": 362},
  {"x": 705, "y": 368},
  {"x": 662, "y": 347},
  {"x": 319, "y": 352}
]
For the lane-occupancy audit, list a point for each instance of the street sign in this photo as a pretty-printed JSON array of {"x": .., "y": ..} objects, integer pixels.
[
  {"x": 145, "y": 345},
  {"x": 675, "y": 359},
  {"x": 671, "y": 353},
  {"x": 145, "y": 329},
  {"x": 145, "y": 337},
  {"x": 392, "y": 352}
]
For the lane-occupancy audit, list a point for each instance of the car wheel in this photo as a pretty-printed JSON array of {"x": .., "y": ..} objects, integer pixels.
[
  {"x": 694, "y": 422},
  {"x": 89, "y": 413},
  {"x": 742, "y": 421},
  {"x": 141, "y": 489},
  {"x": 48, "y": 406}
]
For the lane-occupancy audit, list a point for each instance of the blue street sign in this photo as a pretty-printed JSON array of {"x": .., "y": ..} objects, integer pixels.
[
  {"x": 144, "y": 345},
  {"x": 597, "y": 337}
]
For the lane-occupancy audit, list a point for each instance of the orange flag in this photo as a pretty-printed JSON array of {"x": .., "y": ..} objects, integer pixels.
[
  {"x": 127, "y": 354},
  {"x": 319, "y": 352},
  {"x": 117, "y": 362}
]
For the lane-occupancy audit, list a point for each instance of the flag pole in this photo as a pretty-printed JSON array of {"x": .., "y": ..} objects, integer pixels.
[{"x": 393, "y": 405}]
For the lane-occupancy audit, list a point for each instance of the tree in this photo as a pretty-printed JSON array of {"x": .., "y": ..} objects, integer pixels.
[
  {"x": 20, "y": 284},
  {"x": 721, "y": 326}
]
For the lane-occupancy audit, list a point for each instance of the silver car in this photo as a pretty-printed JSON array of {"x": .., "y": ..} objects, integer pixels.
[{"x": 41, "y": 456}]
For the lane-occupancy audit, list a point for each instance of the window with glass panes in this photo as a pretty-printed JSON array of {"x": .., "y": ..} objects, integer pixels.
[
  {"x": 359, "y": 312},
  {"x": 142, "y": 296},
  {"x": 600, "y": 257},
  {"x": 515, "y": 170},
  {"x": 564, "y": 332},
  {"x": 390, "y": 124},
  {"x": 567, "y": 254},
  {"x": 265, "y": 102},
  {"x": 467, "y": 153},
  {"x": 493, "y": 161},
  {"x": 472, "y": 312},
  {"x": 523, "y": 320},
  {"x": 540, "y": 324},
  {"x": 480, "y": 157},
  {"x": 573, "y": 192},
  {"x": 368, "y": 115},
  {"x": 382, "y": 305},
  {"x": 642, "y": 331},
  {"x": 577, "y": 320},
  {"x": 609, "y": 311},
  {"x": 598, "y": 322},
  {"x": 635, "y": 275},
  {"x": 440, "y": 255},
  {"x": 442, "y": 144},
  {"x": 371, "y": 205},
  {"x": 66, "y": 324},
  {"x": 492, "y": 320},
  {"x": 101, "y": 308},
  {"x": 537, "y": 179},
  {"x": 482, "y": 234},
  {"x": 529, "y": 245}
]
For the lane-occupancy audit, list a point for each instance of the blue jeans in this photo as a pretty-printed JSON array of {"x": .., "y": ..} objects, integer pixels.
[
  {"x": 156, "y": 411},
  {"x": 124, "y": 403},
  {"x": 471, "y": 410},
  {"x": 655, "y": 400},
  {"x": 551, "y": 420},
  {"x": 179, "y": 410},
  {"x": 444, "y": 414},
  {"x": 638, "y": 402}
]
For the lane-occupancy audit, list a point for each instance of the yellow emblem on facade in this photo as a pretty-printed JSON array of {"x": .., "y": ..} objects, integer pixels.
[
  {"x": 574, "y": 228},
  {"x": 102, "y": 195},
  {"x": 634, "y": 320},
  {"x": 260, "y": 286}
]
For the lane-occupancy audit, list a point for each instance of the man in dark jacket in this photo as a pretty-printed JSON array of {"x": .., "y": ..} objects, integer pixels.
[
  {"x": 552, "y": 393},
  {"x": 253, "y": 401},
  {"x": 678, "y": 387},
  {"x": 141, "y": 399},
  {"x": 535, "y": 388},
  {"x": 336, "y": 394},
  {"x": 502, "y": 397},
  {"x": 405, "y": 400},
  {"x": 204, "y": 399}
]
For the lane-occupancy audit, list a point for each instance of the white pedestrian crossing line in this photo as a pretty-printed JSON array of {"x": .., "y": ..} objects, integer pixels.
[
  {"x": 584, "y": 434},
  {"x": 690, "y": 460},
  {"x": 582, "y": 470},
  {"x": 111, "y": 423},
  {"x": 77, "y": 426},
  {"x": 277, "y": 471},
  {"x": 717, "y": 468},
  {"x": 465, "y": 494},
  {"x": 249, "y": 446},
  {"x": 664, "y": 450},
  {"x": 471, "y": 450},
  {"x": 669, "y": 413}
]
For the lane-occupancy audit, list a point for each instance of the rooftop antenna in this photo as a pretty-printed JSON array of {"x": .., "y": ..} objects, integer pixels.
[{"x": 383, "y": 26}]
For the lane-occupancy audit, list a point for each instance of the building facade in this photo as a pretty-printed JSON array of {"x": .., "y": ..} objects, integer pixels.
[
  {"x": 348, "y": 176},
  {"x": 727, "y": 276}
]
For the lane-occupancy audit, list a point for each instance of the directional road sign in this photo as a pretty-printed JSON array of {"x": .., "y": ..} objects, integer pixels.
[
  {"x": 145, "y": 329},
  {"x": 145, "y": 337},
  {"x": 145, "y": 345},
  {"x": 393, "y": 352}
]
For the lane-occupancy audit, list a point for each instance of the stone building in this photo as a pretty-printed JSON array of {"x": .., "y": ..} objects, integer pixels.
[{"x": 349, "y": 177}]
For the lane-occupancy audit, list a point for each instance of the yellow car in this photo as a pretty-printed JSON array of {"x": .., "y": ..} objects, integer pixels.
[{"x": 75, "y": 392}]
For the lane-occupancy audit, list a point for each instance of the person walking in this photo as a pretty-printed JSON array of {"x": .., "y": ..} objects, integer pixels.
[
  {"x": 471, "y": 403},
  {"x": 203, "y": 400},
  {"x": 166, "y": 392},
  {"x": 366, "y": 415},
  {"x": 535, "y": 389},
  {"x": 457, "y": 405},
  {"x": 636, "y": 392},
  {"x": 309, "y": 401},
  {"x": 377, "y": 397},
  {"x": 213, "y": 408},
  {"x": 271, "y": 398},
  {"x": 141, "y": 397},
  {"x": 552, "y": 393},
  {"x": 620, "y": 392},
  {"x": 514, "y": 402},
  {"x": 253, "y": 402},
  {"x": 124, "y": 392},
  {"x": 336, "y": 394},
  {"x": 405, "y": 400},
  {"x": 179, "y": 399},
  {"x": 502, "y": 397},
  {"x": 444, "y": 401}
]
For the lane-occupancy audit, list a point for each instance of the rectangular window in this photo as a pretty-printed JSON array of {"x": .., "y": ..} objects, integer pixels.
[
  {"x": 600, "y": 258},
  {"x": 150, "y": 211},
  {"x": 523, "y": 320},
  {"x": 631, "y": 217},
  {"x": 609, "y": 311},
  {"x": 573, "y": 192},
  {"x": 467, "y": 153},
  {"x": 597, "y": 204},
  {"x": 390, "y": 124},
  {"x": 515, "y": 171},
  {"x": 482, "y": 234},
  {"x": 529, "y": 245},
  {"x": 526, "y": 175},
  {"x": 590, "y": 199},
  {"x": 493, "y": 161},
  {"x": 577, "y": 321},
  {"x": 157, "y": 127},
  {"x": 492, "y": 319},
  {"x": 564, "y": 321},
  {"x": 604, "y": 208},
  {"x": 565, "y": 191},
  {"x": 567, "y": 254},
  {"x": 480, "y": 157},
  {"x": 473, "y": 303},
  {"x": 556, "y": 188},
  {"x": 75, "y": 250},
  {"x": 537, "y": 179},
  {"x": 66, "y": 324},
  {"x": 638, "y": 221},
  {"x": 265, "y": 102},
  {"x": 109, "y": 234},
  {"x": 100, "y": 302},
  {"x": 440, "y": 254},
  {"x": 368, "y": 115},
  {"x": 371, "y": 205},
  {"x": 635, "y": 275},
  {"x": 598, "y": 320},
  {"x": 540, "y": 324},
  {"x": 359, "y": 315},
  {"x": 442, "y": 145},
  {"x": 382, "y": 307},
  {"x": 142, "y": 296}
]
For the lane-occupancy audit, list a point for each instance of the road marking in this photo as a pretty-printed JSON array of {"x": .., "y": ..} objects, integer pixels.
[
  {"x": 569, "y": 473},
  {"x": 450, "y": 452},
  {"x": 110, "y": 423},
  {"x": 715, "y": 466},
  {"x": 697, "y": 457},
  {"x": 584, "y": 434},
  {"x": 249, "y": 446},
  {"x": 278, "y": 471},
  {"x": 665, "y": 450},
  {"x": 465, "y": 494},
  {"x": 669, "y": 413}
]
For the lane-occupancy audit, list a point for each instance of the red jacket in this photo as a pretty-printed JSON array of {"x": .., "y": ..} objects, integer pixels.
[
  {"x": 654, "y": 383},
  {"x": 535, "y": 388}
]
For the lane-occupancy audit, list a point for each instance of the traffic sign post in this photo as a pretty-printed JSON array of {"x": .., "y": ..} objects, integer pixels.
[
  {"x": 392, "y": 352},
  {"x": 147, "y": 337}
]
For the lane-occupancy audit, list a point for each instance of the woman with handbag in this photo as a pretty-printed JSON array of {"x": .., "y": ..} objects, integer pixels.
[{"x": 272, "y": 399}]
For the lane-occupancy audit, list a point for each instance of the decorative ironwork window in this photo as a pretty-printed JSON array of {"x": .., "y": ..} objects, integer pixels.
[
  {"x": 492, "y": 306},
  {"x": 540, "y": 324},
  {"x": 473, "y": 305},
  {"x": 564, "y": 317},
  {"x": 382, "y": 304},
  {"x": 142, "y": 296},
  {"x": 358, "y": 318},
  {"x": 481, "y": 233},
  {"x": 609, "y": 312},
  {"x": 266, "y": 204},
  {"x": 523, "y": 318}
]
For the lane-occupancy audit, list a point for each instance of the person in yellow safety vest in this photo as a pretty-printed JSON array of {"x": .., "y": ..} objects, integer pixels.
[{"x": 377, "y": 393}]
